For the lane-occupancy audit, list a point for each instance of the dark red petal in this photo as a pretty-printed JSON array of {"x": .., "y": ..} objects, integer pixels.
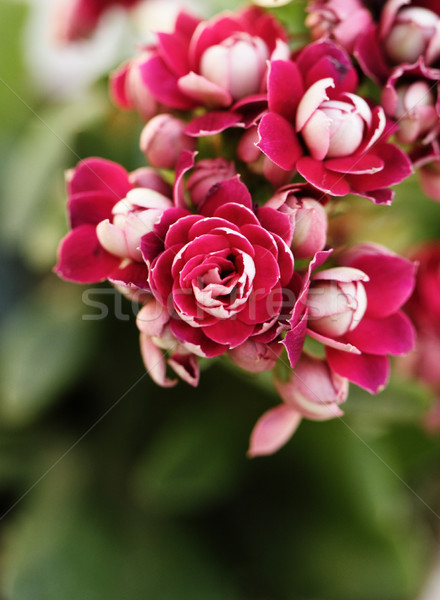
[
  {"x": 90, "y": 208},
  {"x": 162, "y": 84},
  {"x": 278, "y": 141},
  {"x": 160, "y": 279},
  {"x": 397, "y": 167},
  {"x": 98, "y": 174},
  {"x": 315, "y": 173},
  {"x": 394, "y": 335},
  {"x": 229, "y": 332},
  {"x": 369, "y": 371},
  {"x": 294, "y": 341},
  {"x": 196, "y": 337},
  {"x": 212, "y": 123},
  {"x": 82, "y": 259},
  {"x": 228, "y": 191},
  {"x": 276, "y": 222},
  {"x": 134, "y": 275},
  {"x": 285, "y": 88}
]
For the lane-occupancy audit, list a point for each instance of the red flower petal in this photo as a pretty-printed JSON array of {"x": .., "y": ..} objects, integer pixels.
[
  {"x": 278, "y": 141},
  {"x": 369, "y": 371},
  {"x": 82, "y": 259},
  {"x": 394, "y": 335}
]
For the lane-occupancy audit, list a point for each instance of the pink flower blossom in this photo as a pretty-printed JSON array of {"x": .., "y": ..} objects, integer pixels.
[
  {"x": 127, "y": 89},
  {"x": 205, "y": 175},
  {"x": 337, "y": 300},
  {"x": 163, "y": 139},
  {"x": 206, "y": 63},
  {"x": 360, "y": 353},
  {"x": 304, "y": 205},
  {"x": 408, "y": 30},
  {"x": 312, "y": 390},
  {"x": 342, "y": 20},
  {"x": 222, "y": 271},
  {"x": 411, "y": 97},
  {"x": 316, "y": 125},
  {"x": 108, "y": 216}
]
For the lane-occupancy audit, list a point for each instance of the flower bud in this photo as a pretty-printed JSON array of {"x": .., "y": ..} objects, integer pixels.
[
  {"x": 256, "y": 356},
  {"x": 310, "y": 234},
  {"x": 429, "y": 175},
  {"x": 237, "y": 64},
  {"x": 343, "y": 20},
  {"x": 335, "y": 130},
  {"x": 415, "y": 111},
  {"x": 207, "y": 173},
  {"x": 133, "y": 217},
  {"x": 337, "y": 301},
  {"x": 307, "y": 216},
  {"x": 128, "y": 91},
  {"x": 411, "y": 34},
  {"x": 163, "y": 139},
  {"x": 313, "y": 389},
  {"x": 146, "y": 177}
]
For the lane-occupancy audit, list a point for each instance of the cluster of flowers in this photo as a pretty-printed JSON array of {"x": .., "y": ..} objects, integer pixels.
[{"x": 235, "y": 257}]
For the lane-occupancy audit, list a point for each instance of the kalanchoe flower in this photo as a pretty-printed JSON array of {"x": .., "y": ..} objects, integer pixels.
[
  {"x": 408, "y": 30},
  {"x": 341, "y": 20},
  {"x": 108, "y": 216},
  {"x": 331, "y": 136},
  {"x": 411, "y": 97},
  {"x": 304, "y": 205},
  {"x": 256, "y": 356},
  {"x": 163, "y": 139},
  {"x": 360, "y": 353},
  {"x": 127, "y": 89},
  {"x": 79, "y": 18},
  {"x": 205, "y": 175},
  {"x": 312, "y": 390},
  {"x": 222, "y": 271},
  {"x": 337, "y": 300},
  {"x": 206, "y": 63}
]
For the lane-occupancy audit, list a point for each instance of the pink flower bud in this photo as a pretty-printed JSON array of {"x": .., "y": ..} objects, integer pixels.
[
  {"x": 128, "y": 91},
  {"x": 343, "y": 20},
  {"x": 307, "y": 215},
  {"x": 133, "y": 217},
  {"x": 337, "y": 301},
  {"x": 313, "y": 389},
  {"x": 237, "y": 64},
  {"x": 310, "y": 234},
  {"x": 163, "y": 139},
  {"x": 411, "y": 34},
  {"x": 256, "y": 356},
  {"x": 429, "y": 175},
  {"x": 207, "y": 173},
  {"x": 146, "y": 177},
  {"x": 415, "y": 111},
  {"x": 336, "y": 129}
]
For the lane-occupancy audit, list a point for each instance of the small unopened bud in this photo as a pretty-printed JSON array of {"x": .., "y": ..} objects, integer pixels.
[
  {"x": 337, "y": 301},
  {"x": 163, "y": 139}
]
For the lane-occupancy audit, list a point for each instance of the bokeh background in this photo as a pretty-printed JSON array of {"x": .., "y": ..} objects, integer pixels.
[{"x": 112, "y": 488}]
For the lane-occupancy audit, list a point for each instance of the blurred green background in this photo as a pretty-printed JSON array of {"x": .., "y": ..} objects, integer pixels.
[{"x": 112, "y": 488}]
